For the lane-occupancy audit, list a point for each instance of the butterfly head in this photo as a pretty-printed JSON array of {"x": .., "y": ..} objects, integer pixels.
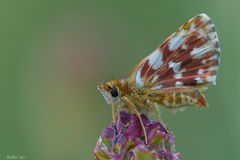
[{"x": 109, "y": 91}]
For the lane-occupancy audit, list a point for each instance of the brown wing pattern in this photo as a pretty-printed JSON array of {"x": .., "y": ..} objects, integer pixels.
[{"x": 188, "y": 57}]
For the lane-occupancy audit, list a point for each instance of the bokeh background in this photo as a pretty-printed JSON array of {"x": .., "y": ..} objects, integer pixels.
[{"x": 54, "y": 53}]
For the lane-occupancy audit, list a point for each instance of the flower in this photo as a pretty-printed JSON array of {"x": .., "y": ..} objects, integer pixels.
[{"x": 124, "y": 140}]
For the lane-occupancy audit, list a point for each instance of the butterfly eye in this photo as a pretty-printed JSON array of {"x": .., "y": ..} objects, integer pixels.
[{"x": 114, "y": 91}]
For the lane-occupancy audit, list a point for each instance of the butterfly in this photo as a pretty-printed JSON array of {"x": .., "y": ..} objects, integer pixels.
[{"x": 175, "y": 75}]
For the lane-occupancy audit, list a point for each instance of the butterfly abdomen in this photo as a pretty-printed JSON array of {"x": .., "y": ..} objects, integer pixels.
[{"x": 178, "y": 99}]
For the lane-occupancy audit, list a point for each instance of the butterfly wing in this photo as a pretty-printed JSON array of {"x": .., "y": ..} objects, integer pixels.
[{"x": 188, "y": 58}]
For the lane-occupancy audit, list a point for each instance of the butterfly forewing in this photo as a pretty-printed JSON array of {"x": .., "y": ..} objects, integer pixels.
[{"x": 189, "y": 57}]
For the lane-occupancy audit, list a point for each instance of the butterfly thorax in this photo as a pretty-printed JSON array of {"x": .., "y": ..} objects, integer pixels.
[{"x": 128, "y": 89}]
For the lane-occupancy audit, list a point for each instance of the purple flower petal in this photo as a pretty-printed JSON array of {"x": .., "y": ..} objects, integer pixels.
[{"x": 125, "y": 140}]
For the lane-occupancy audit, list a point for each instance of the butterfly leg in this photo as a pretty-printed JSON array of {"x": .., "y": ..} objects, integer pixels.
[
  {"x": 132, "y": 107},
  {"x": 113, "y": 111},
  {"x": 118, "y": 111}
]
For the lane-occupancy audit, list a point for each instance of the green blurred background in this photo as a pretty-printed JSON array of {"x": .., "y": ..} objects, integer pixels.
[{"x": 54, "y": 53}]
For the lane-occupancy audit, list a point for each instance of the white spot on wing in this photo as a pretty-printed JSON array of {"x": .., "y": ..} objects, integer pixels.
[
  {"x": 214, "y": 68},
  {"x": 212, "y": 35},
  {"x": 192, "y": 27},
  {"x": 198, "y": 80},
  {"x": 155, "y": 59},
  {"x": 200, "y": 71},
  {"x": 139, "y": 80},
  {"x": 178, "y": 75},
  {"x": 199, "y": 52},
  {"x": 177, "y": 40},
  {"x": 178, "y": 83},
  {"x": 184, "y": 46},
  {"x": 155, "y": 78},
  {"x": 157, "y": 87},
  {"x": 174, "y": 66},
  {"x": 212, "y": 79}
]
